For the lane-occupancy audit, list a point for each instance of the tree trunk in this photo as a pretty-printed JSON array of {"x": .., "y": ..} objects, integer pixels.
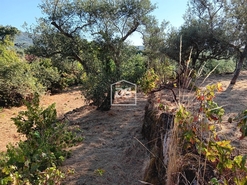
[
  {"x": 239, "y": 65},
  {"x": 106, "y": 104},
  {"x": 237, "y": 71}
]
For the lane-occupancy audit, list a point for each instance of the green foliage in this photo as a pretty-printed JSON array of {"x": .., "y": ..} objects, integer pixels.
[
  {"x": 241, "y": 119},
  {"x": 104, "y": 72},
  {"x": 17, "y": 83},
  {"x": 7, "y": 55},
  {"x": 198, "y": 134},
  {"x": 70, "y": 71},
  {"x": 35, "y": 160},
  {"x": 46, "y": 74},
  {"x": 134, "y": 68},
  {"x": 149, "y": 81},
  {"x": 95, "y": 87},
  {"x": 109, "y": 24},
  {"x": 50, "y": 176},
  {"x": 223, "y": 66},
  {"x": 7, "y": 33},
  {"x": 99, "y": 172},
  {"x": 54, "y": 75},
  {"x": 165, "y": 69},
  {"x": 19, "y": 80}
]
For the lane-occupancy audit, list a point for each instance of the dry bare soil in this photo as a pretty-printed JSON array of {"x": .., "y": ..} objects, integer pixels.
[{"x": 112, "y": 152}]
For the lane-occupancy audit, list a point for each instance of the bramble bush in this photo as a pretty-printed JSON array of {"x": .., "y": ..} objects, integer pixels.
[{"x": 36, "y": 160}]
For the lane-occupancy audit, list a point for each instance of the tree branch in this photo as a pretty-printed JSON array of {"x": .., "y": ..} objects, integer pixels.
[
  {"x": 61, "y": 30},
  {"x": 133, "y": 29}
]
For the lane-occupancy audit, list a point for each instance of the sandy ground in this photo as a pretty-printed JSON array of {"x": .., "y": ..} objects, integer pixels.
[
  {"x": 112, "y": 153},
  {"x": 66, "y": 101},
  {"x": 111, "y": 146},
  {"x": 233, "y": 99}
]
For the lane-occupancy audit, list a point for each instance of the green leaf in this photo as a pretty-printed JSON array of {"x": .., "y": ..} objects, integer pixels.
[
  {"x": 37, "y": 134},
  {"x": 228, "y": 164},
  {"x": 214, "y": 181},
  {"x": 210, "y": 156},
  {"x": 240, "y": 161}
]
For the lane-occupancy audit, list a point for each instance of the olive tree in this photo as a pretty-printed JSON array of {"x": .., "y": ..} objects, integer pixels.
[
  {"x": 202, "y": 36},
  {"x": 91, "y": 32},
  {"x": 226, "y": 21},
  {"x": 7, "y": 33},
  {"x": 236, "y": 26}
]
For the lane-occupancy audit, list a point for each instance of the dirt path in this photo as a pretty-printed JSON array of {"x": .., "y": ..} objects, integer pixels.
[{"x": 111, "y": 146}]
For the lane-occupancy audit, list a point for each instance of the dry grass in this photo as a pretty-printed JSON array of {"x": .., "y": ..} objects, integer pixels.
[
  {"x": 174, "y": 156},
  {"x": 233, "y": 101}
]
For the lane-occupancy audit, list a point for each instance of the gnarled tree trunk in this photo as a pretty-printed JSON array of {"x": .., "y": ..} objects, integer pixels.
[{"x": 239, "y": 65}]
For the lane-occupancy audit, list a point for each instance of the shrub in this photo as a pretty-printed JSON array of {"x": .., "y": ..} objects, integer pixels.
[
  {"x": 165, "y": 69},
  {"x": 223, "y": 66},
  {"x": 35, "y": 160},
  {"x": 149, "y": 81},
  {"x": 70, "y": 72},
  {"x": 134, "y": 68},
  {"x": 46, "y": 74},
  {"x": 95, "y": 88},
  {"x": 17, "y": 83}
]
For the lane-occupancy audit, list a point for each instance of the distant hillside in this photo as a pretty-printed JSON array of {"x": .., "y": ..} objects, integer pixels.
[{"x": 22, "y": 40}]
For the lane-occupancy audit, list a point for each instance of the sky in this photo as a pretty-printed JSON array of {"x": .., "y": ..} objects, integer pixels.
[{"x": 16, "y": 12}]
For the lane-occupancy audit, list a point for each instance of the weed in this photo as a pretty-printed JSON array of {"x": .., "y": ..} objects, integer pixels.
[{"x": 99, "y": 172}]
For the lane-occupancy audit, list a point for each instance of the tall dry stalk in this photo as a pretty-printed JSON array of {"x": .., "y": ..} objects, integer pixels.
[
  {"x": 173, "y": 145},
  {"x": 174, "y": 157}
]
